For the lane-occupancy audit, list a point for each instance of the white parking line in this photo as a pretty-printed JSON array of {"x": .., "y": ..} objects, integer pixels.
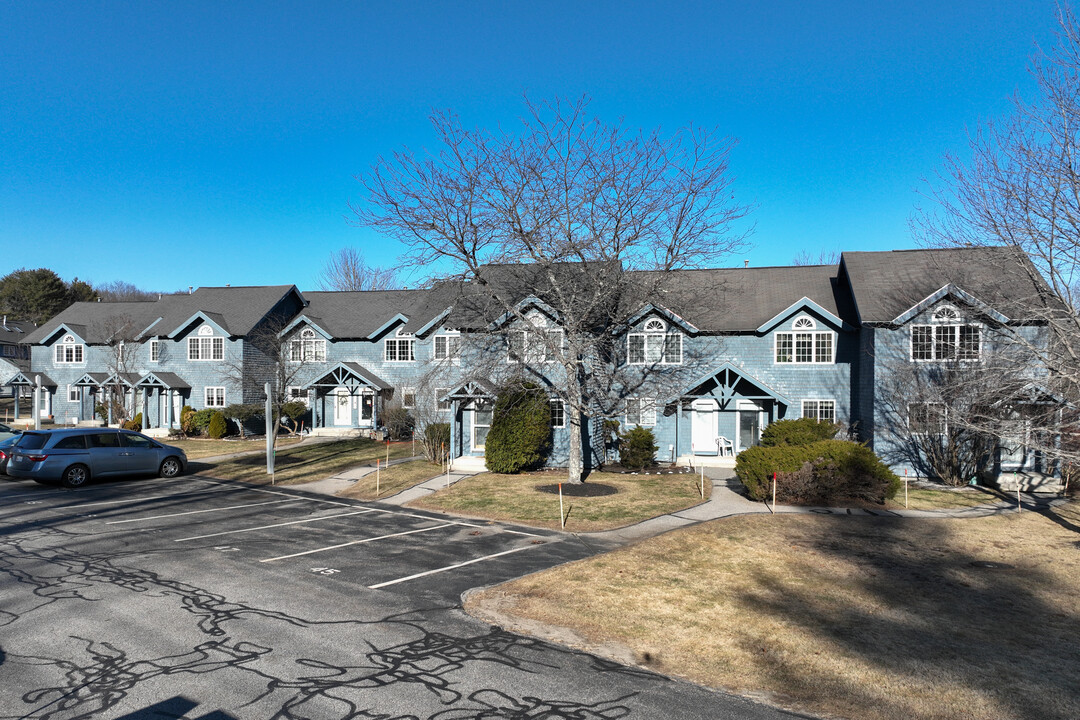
[
  {"x": 196, "y": 512},
  {"x": 359, "y": 542},
  {"x": 275, "y": 525},
  {"x": 135, "y": 499},
  {"x": 444, "y": 569}
]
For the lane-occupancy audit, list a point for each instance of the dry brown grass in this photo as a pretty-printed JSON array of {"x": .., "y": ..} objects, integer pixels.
[
  {"x": 920, "y": 498},
  {"x": 514, "y": 498},
  {"x": 882, "y": 619},
  {"x": 391, "y": 480},
  {"x": 305, "y": 462},
  {"x": 197, "y": 448}
]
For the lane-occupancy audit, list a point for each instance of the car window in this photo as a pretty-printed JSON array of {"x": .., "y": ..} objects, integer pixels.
[
  {"x": 4, "y": 428},
  {"x": 71, "y": 442},
  {"x": 103, "y": 440},
  {"x": 32, "y": 441},
  {"x": 137, "y": 441}
]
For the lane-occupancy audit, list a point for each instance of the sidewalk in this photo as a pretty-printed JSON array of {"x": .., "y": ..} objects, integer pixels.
[{"x": 344, "y": 479}]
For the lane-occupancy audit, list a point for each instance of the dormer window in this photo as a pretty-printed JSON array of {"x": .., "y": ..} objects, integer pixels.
[
  {"x": 947, "y": 338},
  {"x": 805, "y": 344},
  {"x": 68, "y": 351},
  {"x": 309, "y": 347},
  {"x": 656, "y": 345},
  {"x": 447, "y": 347},
  {"x": 206, "y": 346}
]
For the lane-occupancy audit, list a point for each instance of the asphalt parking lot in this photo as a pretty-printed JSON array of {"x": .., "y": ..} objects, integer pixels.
[{"x": 196, "y": 598}]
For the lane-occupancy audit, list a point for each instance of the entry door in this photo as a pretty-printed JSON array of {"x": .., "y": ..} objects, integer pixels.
[
  {"x": 749, "y": 428},
  {"x": 481, "y": 424},
  {"x": 703, "y": 427},
  {"x": 343, "y": 406}
]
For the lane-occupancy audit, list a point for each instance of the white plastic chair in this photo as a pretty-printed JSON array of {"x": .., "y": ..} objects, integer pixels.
[{"x": 724, "y": 448}]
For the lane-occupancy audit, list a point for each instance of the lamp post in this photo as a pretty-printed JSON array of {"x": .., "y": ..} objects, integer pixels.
[{"x": 269, "y": 433}]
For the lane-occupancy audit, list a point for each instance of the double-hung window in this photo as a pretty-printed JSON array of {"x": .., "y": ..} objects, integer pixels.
[
  {"x": 947, "y": 338},
  {"x": 297, "y": 393},
  {"x": 447, "y": 347},
  {"x": 535, "y": 346},
  {"x": 654, "y": 346},
  {"x": 820, "y": 410},
  {"x": 640, "y": 411},
  {"x": 558, "y": 414},
  {"x": 215, "y": 397},
  {"x": 309, "y": 347},
  {"x": 440, "y": 404},
  {"x": 155, "y": 350},
  {"x": 399, "y": 350},
  {"x": 69, "y": 351},
  {"x": 74, "y": 393},
  {"x": 806, "y": 344},
  {"x": 408, "y": 398},
  {"x": 206, "y": 345}
]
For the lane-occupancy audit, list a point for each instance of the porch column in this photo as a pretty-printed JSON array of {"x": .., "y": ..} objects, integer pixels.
[
  {"x": 37, "y": 402},
  {"x": 170, "y": 398},
  {"x": 18, "y": 392},
  {"x": 376, "y": 396},
  {"x": 48, "y": 403},
  {"x": 145, "y": 408}
]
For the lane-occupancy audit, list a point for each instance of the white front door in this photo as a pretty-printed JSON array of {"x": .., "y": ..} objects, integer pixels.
[
  {"x": 703, "y": 427},
  {"x": 481, "y": 419},
  {"x": 343, "y": 407}
]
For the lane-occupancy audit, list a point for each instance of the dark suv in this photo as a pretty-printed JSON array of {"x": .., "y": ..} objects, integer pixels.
[{"x": 74, "y": 456}]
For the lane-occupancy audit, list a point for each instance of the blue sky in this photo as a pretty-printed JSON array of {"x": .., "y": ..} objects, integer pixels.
[{"x": 171, "y": 144}]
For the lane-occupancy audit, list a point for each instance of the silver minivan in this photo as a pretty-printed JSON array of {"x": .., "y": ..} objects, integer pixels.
[{"x": 73, "y": 456}]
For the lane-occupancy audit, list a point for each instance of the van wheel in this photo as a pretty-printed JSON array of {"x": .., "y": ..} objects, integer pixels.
[
  {"x": 170, "y": 467},
  {"x": 75, "y": 476}
]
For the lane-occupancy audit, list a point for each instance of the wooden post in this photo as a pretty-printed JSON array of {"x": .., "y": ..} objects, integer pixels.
[
  {"x": 702, "y": 482},
  {"x": 377, "y": 478},
  {"x": 1017, "y": 497},
  {"x": 387, "y": 449},
  {"x": 562, "y": 516},
  {"x": 905, "y": 487},
  {"x": 773, "y": 508},
  {"x": 448, "y": 473}
]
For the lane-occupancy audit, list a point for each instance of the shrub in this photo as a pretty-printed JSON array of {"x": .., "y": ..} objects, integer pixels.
[
  {"x": 637, "y": 448},
  {"x": 241, "y": 413},
  {"x": 520, "y": 434},
  {"x": 200, "y": 420},
  {"x": 798, "y": 432},
  {"x": 399, "y": 423},
  {"x": 217, "y": 427},
  {"x": 187, "y": 424},
  {"x": 294, "y": 410},
  {"x": 821, "y": 473},
  {"x": 435, "y": 442},
  {"x": 134, "y": 423}
]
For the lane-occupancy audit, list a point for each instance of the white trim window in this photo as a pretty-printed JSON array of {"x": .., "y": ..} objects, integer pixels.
[
  {"x": 309, "y": 347},
  {"x": 820, "y": 410},
  {"x": 155, "y": 350},
  {"x": 74, "y": 393},
  {"x": 928, "y": 418},
  {"x": 297, "y": 393},
  {"x": 806, "y": 345},
  {"x": 408, "y": 398},
  {"x": 214, "y": 397},
  {"x": 399, "y": 350},
  {"x": 533, "y": 346},
  {"x": 68, "y": 351},
  {"x": 206, "y": 346},
  {"x": 440, "y": 404},
  {"x": 947, "y": 338},
  {"x": 482, "y": 413},
  {"x": 656, "y": 345},
  {"x": 640, "y": 411},
  {"x": 558, "y": 413},
  {"x": 447, "y": 347}
]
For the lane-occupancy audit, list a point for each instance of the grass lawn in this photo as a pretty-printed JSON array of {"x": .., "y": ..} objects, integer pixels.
[
  {"x": 392, "y": 480},
  {"x": 305, "y": 462},
  {"x": 856, "y": 617},
  {"x": 920, "y": 498},
  {"x": 514, "y": 498},
  {"x": 205, "y": 447}
]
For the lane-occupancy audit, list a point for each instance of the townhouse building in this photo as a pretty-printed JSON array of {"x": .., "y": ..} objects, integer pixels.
[{"x": 706, "y": 364}]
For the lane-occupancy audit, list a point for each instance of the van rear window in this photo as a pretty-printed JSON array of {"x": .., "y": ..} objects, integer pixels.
[{"x": 32, "y": 441}]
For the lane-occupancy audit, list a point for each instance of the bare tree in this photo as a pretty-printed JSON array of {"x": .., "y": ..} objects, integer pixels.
[
  {"x": 348, "y": 270},
  {"x": 120, "y": 291},
  {"x": 1021, "y": 188},
  {"x": 118, "y": 332},
  {"x": 559, "y": 211},
  {"x": 823, "y": 257}
]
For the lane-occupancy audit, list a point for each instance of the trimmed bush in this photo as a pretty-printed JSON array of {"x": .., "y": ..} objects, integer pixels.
[
  {"x": 294, "y": 410},
  {"x": 798, "y": 432},
  {"x": 399, "y": 423},
  {"x": 217, "y": 427},
  {"x": 241, "y": 413},
  {"x": 134, "y": 423},
  {"x": 187, "y": 422},
  {"x": 637, "y": 448},
  {"x": 200, "y": 420},
  {"x": 822, "y": 473},
  {"x": 520, "y": 434}
]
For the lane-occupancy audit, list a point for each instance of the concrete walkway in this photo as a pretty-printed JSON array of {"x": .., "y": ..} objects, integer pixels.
[{"x": 345, "y": 479}]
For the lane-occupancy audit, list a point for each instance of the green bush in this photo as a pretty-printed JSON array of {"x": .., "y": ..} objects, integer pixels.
[
  {"x": 637, "y": 448},
  {"x": 294, "y": 410},
  {"x": 218, "y": 427},
  {"x": 241, "y": 413},
  {"x": 821, "y": 473},
  {"x": 435, "y": 441},
  {"x": 520, "y": 434},
  {"x": 134, "y": 423},
  {"x": 399, "y": 423},
  {"x": 798, "y": 432},
  {"x": 200, "y": 421}
]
